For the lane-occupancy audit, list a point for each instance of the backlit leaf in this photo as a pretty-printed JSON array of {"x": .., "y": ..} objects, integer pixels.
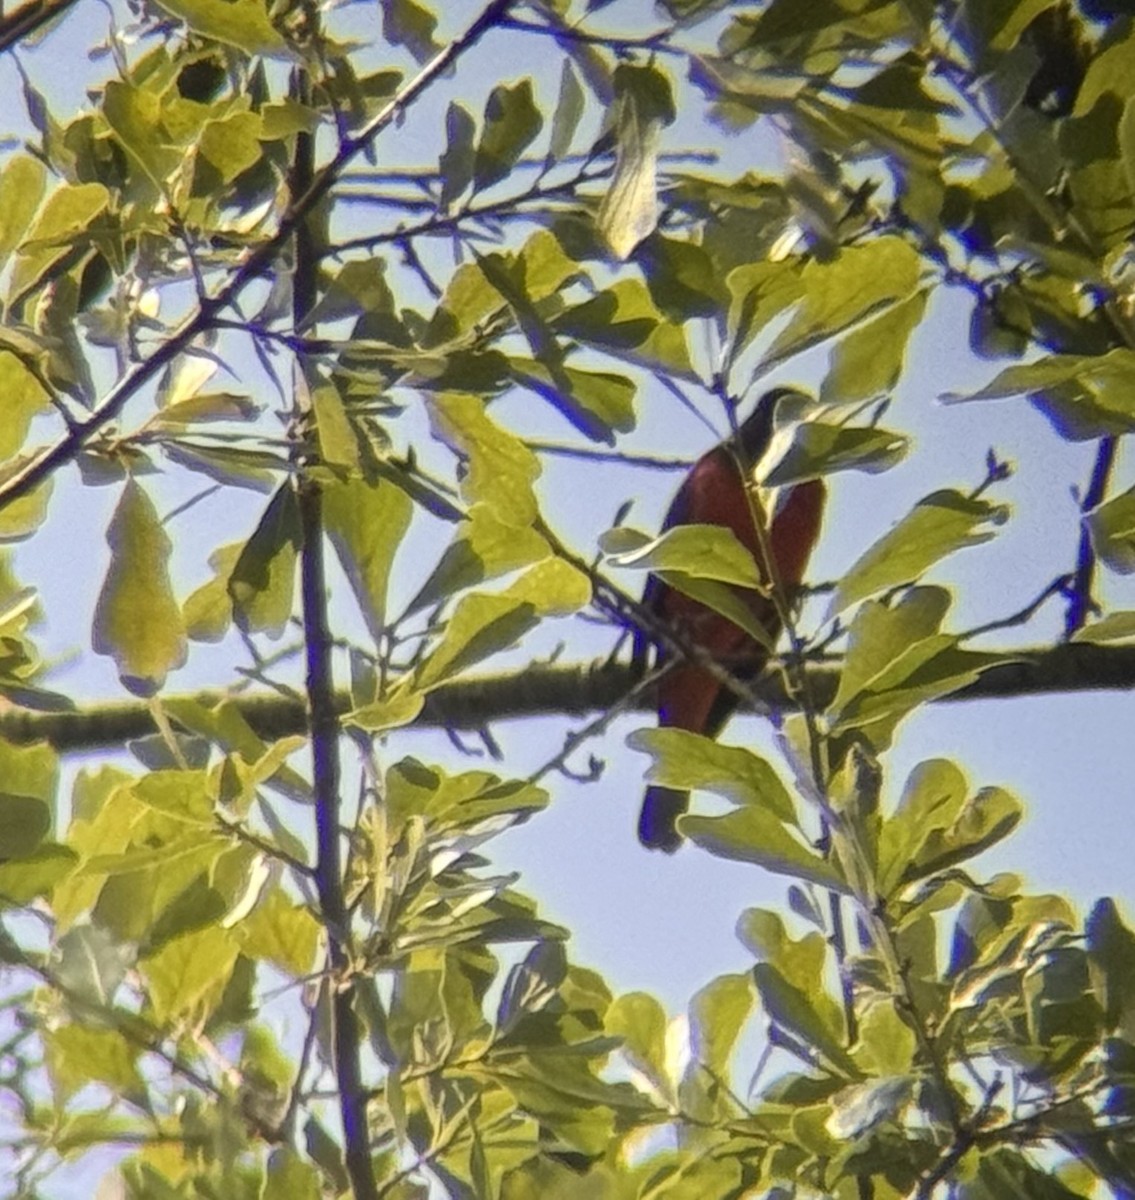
[
  {"x": 690, "y": 761},
  {"x": 137, "y": 619},
  {"x": 1112, "y": 527},
  {"x": 366, "y": 523},
  {"x": 938, "y": 525},
  {"x": 483, "y": 624},
  {"x": 243, "y": 24}
]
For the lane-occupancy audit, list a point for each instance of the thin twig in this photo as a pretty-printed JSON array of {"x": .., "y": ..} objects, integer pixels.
[
  {"x": 1080, "y": 602},
  {"x": 29, "y": 18}
]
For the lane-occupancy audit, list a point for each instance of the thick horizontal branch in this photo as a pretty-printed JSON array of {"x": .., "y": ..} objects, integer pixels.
[{"x": 561, "y": 690}]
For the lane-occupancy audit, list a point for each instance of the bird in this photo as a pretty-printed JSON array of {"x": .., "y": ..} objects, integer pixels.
[{"x": 714, "y": 493}]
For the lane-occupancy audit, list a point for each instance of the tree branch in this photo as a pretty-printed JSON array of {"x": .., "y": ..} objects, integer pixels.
[
  {"x": 577, "y": 690},
  {"x": 29, "y": 18}
]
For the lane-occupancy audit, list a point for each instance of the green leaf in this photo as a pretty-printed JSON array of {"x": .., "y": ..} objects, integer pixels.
[
  {"x": 397, "y": 707},
  {"x": 512, "y": 122},
  {"x": 897, "y": 659},
  {"x": 20, "y": 518},
  {"x": 41, "y": 873},
  {"x": 407, "y": 23},
  {"x": 262, "y": 583},
  {"x": 187, "y": 977},
  {"x": 531, "y": 986},
  {"x": 760, "y": 292},
  {"x": 756, "y": 835},
  {"x": 232, "y": 144},
  {"x": 1111, "y": 960},
  {"x": 281, "y": 931},
  {"x": 64, "y": 222},
  {"x": 1112, "y": 529},
  {"x": 91, "y": 964},
  {"x": 790, "y": 981},
  {"x": 289, "y": 1177},
  {"x": 366, "y": 523},
  {"x": 718, "y": 564},
  {"x": 137, "y": 619},
  {"x": 447, "y": 801},
  {"x": 718, "y": 1013},
  {"x": 483, "y": 624},
  {"x": 1085, "y": 396},
  {"x": 688, "y": 761},
  {"x": 938, "y": 525},
  {"x": 1126, "y": 135},
  {"x": 135, "y": 115},
  {"x": 338, "y": 443},
  {"x": 887, "y": 1044},
  {"x": 629, "y": 210},
  {"x": 622, "y": 321},
  {"x": 456, "y": 162},
  {"x": 510, "y": 279},
  {"x": 640, "y": 1021},
  {"x": 243, "y": 24},
  {"x": 1114, "y": 627},
  {"x": 22, "y": 185},
  {"x": 937, "y": 824},
  {"x": 233, "y": 466},
  {"x": 597, "y": 403},
  {"x": 76, "y": 1055},
  {"x": 858, "y": 1109},
  {"x": 500, "y": 468},
  {"x": 869, "y": 361},
  {"x": 24, "y": 823},
  {"x": 566, "y": 118},
  {"x": 681, "y": 277},
  {"x": 819, "y": 448},
  {"x": 484, "y": 548},
  {"x": 208, "y": 611},
  {"x": 701, "y": 551},
  {"x": 861, "y": 282}
]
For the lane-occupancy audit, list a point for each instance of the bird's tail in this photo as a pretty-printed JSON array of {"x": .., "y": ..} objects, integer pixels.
[{"x": 657, "y": 823}]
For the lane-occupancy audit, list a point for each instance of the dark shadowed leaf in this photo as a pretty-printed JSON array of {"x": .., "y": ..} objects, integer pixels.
[
  {"x": 407, "y": 23},
  {"x": 512, "y": 122},
  {"x": 565, "y": 120},
  {"x": 262, "y": 583},
  {"x": 456, "y": 164}
]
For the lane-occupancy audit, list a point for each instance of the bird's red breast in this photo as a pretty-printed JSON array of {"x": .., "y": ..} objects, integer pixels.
[{"x": 689, "y": 697}]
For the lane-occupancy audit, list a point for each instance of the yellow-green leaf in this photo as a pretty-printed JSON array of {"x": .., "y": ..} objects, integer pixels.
[
  {"x": 366, "y": 523},
  {"x": 137, "y": 618},
  {"x": 244, "y": 24},
  {"x": 483, "y": 624},
  {"x": 21, "y": 190},
  {"x": 938, "y": 525}
]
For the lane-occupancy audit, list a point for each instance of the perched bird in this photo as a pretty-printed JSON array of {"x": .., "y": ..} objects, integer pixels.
[{"x": 714, "y": 493}]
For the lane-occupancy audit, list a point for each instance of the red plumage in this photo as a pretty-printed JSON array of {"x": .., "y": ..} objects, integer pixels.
[{"x": 714, "y": 494}]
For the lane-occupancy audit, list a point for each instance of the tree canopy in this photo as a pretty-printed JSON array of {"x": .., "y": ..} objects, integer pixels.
[{"x": 342, "y": 322}]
